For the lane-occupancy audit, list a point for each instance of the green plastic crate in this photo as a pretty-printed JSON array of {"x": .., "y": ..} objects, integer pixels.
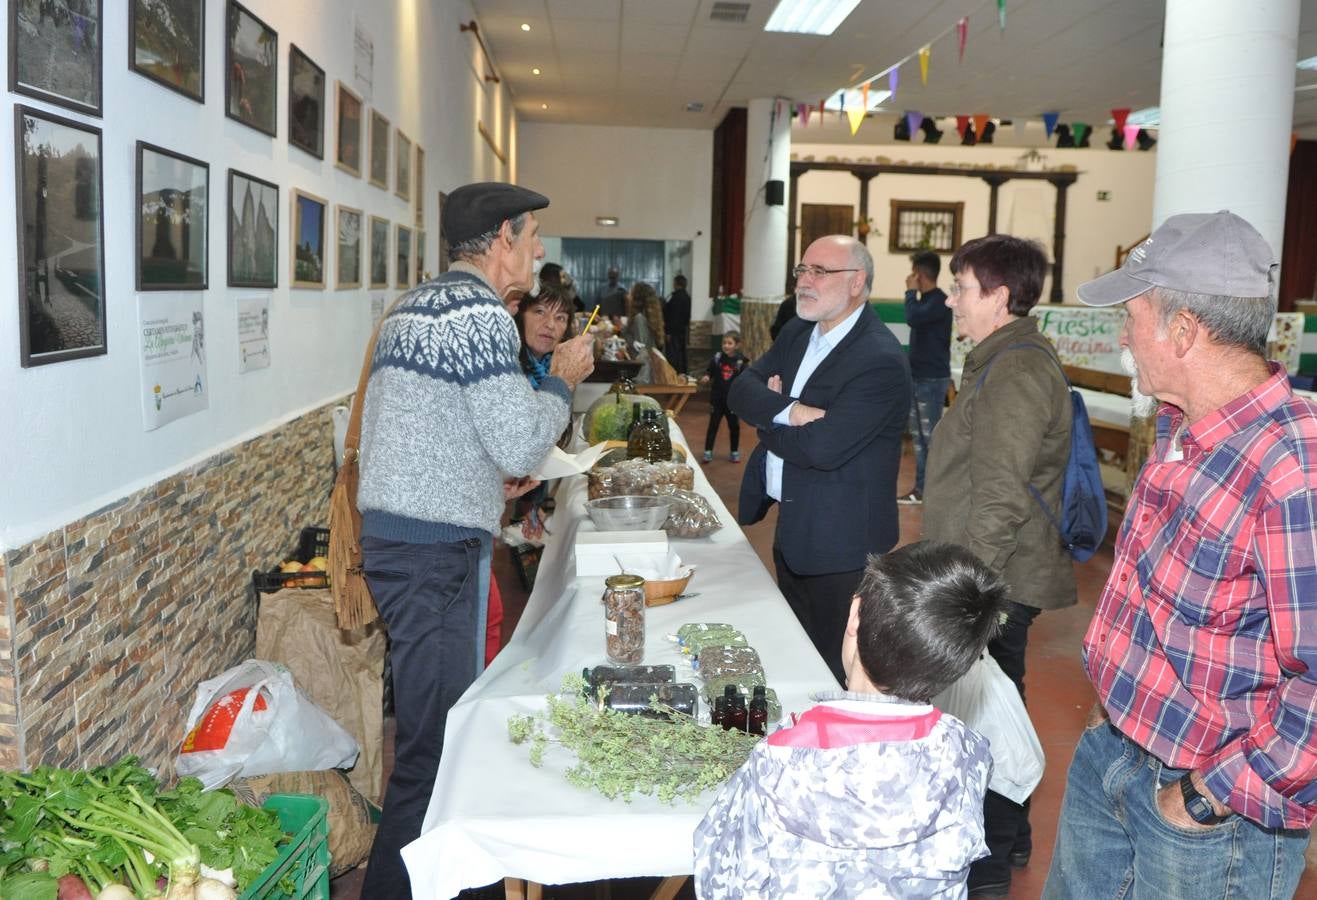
[{"x": 306, "y": 856}]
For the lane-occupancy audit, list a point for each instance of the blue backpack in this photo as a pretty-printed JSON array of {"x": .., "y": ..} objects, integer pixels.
[{"x": 1082, "y": 519}]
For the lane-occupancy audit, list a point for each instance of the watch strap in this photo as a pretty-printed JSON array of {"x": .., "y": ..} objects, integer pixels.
[{"x": 1196, "y": 805}]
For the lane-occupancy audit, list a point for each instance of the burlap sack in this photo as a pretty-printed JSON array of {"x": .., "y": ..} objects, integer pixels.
[
  {"x": 341, "y": 671},
  {"x": 351, "y": 831}
]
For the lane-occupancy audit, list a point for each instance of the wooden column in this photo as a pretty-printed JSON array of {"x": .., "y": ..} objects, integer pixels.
[
  {"x": 994, "y": 182},
  {"x": 1058, "y": 237},
  {"x": 865, "y": 178}
]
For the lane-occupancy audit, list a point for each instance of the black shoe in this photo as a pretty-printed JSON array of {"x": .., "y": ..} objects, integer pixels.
[
  {"x": 990, "y": 889},
  {"x": 1020, "y": 858}
]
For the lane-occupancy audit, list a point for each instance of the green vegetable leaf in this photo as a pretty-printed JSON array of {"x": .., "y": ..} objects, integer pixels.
[{"x": 30, "y": 886}]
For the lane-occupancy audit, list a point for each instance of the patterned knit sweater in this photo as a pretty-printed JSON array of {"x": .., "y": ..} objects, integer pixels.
[{"x": 449, "y": 413}]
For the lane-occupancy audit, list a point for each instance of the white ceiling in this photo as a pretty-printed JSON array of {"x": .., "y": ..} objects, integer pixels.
[{"x": 640, "y": 62}]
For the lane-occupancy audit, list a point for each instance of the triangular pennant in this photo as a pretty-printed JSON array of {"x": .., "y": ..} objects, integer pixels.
[
  {"x": 1049, "y": 122},
  {"x": 822, "y": 108},
  {"x": 1131, "y": 135},
  {"x": 1080, "y": 131},
  {"x": 980, "y": 122},
  {"x": 804, "y": 109},
  {"x": 1118, "y": 116},
  {"x": 865, "y": 89},
  {"x": 1001, "y": 14},
  {"x": 962, "y": 122},
  {"x": 913, "y": 120},
  {"x": 893, "y": 79},
  {"x": 924, "y": 52},
  {"x": 962, "y": 35},
  {"x": 854, "y": 112}
]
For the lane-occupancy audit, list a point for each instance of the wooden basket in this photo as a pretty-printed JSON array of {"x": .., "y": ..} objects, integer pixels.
[{"x": 660, "y": 593}]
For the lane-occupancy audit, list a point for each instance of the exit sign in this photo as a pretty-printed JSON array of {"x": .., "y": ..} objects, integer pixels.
[{"x": 1104, "y": 195}]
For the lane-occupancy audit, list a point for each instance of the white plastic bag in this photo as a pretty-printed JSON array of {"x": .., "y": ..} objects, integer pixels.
[
  {"x": 987, "y": 701},
  {"x": 252, "y": 720}
]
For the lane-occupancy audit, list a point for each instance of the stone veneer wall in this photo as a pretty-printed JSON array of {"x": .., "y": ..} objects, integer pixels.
[{"x": 108, "y": 624}]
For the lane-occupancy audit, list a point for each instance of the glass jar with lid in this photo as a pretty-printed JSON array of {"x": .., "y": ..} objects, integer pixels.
[{"x": 624, "y": 618}]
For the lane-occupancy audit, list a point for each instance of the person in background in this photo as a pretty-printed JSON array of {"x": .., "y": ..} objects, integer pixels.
[
  {"x": 1197, "y": 773},
  {"x": 1008, "y": 431},
  {"x": 723, "y": 369},
  {"x": 786, "y": 311},
  {"x": 569, "y": 291},
  {"x": 873, "y": 792},
  {"x": 644, "y": 327},
  {"x": 677, "y": 323},
  {"x": 449, "y": 422},
  {"x": 930, "y": 358},
  {"x": 612, "y": 298},
  {"x": 829, "y": 400},
  {"x": 550, "y": 277},
  {"x": 543, "y": 322}
]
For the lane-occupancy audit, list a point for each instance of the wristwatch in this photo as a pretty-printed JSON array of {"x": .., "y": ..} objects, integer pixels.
[{"x": 1196, "y": 805}]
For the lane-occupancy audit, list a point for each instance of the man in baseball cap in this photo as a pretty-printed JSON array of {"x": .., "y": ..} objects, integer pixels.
[
  {"x": 1197, "y": 775},
  {"x": 450, "y": 430}
]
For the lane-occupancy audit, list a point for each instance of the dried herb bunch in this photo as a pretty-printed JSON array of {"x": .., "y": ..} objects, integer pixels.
[{"x": 620, "y": 755}]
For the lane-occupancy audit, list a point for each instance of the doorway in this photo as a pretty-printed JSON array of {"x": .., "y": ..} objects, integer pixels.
[{"x": 820, "y": 219}]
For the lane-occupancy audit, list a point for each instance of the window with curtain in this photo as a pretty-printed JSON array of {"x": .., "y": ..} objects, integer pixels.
[{"x": 588, "y": 261}]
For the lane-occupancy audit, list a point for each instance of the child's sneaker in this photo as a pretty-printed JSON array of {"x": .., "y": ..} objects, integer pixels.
[
  {"x": 708, "y": 456},
  {"x": 736, "y": 457}
]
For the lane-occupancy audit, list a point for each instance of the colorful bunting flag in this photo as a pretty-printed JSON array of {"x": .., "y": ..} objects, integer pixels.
[
  {"x": 854, "y": 112},
  {"x": 1080, "y": 131},
  {"x": 1049, "y": 122},
  {"x": 822, "y": 107},
  {"x": 866, "y": 97},
  {"x": 1119, "y": 116},
  {"x": 913, "y": 120},
  {"x": 803, "y": 110},
  {"x": 924, "y": 52},
  {"x": 962, "y": 35},
  {"x": 893, "y": 79},
  {"x": 1131, "y": 136},
  {"x": 980, "y": 122},
  {"x": 1001, "y": 14},
  {"x": 962, "y": 122}
]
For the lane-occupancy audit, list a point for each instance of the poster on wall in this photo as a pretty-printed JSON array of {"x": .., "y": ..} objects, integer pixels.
[
  {"x": 173, "y": 342},
  {"x": 253, "y": 334}
]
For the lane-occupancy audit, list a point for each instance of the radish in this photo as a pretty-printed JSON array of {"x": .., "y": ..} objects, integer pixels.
[
  {"x": 71, "y": 887},
  {"x": 116, "y": 892}
]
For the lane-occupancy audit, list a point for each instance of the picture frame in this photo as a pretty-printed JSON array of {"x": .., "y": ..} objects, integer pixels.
[
  {"x": 420, "y": 257},
  {"x": 308, "y": 239},
  {"x": 418, "y": 187},
  {"x": 253, "y": 245},
  {"x": 402, "y": 241},
  {"x": 379, "y": 252},
  {"x": 251, "y": 59},
  {"x": 306, "y": 103},
  {"x": 348, "y": 256},
  {"x": 173, "y": 214},
  {"x": 61, "y": 238},
  {"x": 379, "y": 149},
  {"x": 59, "y": 58},
  {"x": 402, "y": 170},
  {"x": 167, "y": 44},
  {"x": 347, "y": 155}
]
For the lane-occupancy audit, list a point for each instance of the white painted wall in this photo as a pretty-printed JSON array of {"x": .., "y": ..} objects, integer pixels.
[
  {"x": 1093, "y": 228},
  {"x": 71, "y": 437},
  {"x": 657, "y": 181}
]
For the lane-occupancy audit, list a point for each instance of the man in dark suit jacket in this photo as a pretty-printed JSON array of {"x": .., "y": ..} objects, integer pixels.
[
  {"x": 829, "y": 400},
  {"x": 677, "y": 323}
]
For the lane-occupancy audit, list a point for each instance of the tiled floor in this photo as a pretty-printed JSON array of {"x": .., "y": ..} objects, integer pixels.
[{"x": 1059, "y": 693}]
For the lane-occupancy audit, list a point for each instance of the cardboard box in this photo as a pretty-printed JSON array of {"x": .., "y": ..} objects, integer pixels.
[{"x": 596, "y": 550}]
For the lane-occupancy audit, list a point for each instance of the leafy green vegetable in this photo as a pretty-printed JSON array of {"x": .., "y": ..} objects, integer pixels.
[{"x": 29, "y": 886}]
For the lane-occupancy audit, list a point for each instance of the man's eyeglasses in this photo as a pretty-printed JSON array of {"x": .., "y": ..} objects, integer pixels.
[{"x": 817, "y": 271}]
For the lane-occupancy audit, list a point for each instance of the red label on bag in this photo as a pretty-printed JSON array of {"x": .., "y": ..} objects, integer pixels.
[{"x": 213, "y": 730}]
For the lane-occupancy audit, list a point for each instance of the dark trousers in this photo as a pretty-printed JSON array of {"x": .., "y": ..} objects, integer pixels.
[
  {"x": 717, "y": 410},
  {"x": 1006, "y": 823},
  {"x": 822, "y": 604},
  {"x": 426, "y": 594},
  {"x": 676, "y": 350}
]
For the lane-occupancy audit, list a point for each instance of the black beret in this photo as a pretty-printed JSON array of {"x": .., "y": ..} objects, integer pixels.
[{"x": 475, "y": 209}]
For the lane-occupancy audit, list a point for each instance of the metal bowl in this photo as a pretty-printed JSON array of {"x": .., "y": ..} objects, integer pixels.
[{"x": 628, "y": 513}]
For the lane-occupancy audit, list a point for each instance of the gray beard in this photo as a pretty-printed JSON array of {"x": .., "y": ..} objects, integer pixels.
[{"x": 1143, "y": 405}]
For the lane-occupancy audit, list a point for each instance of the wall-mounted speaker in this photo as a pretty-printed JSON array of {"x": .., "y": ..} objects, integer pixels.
[{"x": 774, "y": 192}]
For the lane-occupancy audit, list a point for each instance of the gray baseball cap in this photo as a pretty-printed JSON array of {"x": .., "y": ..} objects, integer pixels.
[{"x": 1199, "y": 253}]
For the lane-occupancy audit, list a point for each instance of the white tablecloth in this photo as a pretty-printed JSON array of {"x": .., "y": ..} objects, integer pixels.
[{"x": 493, "y": 815}]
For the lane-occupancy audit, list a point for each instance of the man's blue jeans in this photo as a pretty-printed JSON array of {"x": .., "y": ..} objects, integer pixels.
[
  {"x": 1113, "y": 842},
  {"x": 929, "y": 397}
]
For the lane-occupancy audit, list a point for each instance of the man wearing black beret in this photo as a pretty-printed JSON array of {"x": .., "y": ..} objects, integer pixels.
[{"x": 450, "y": 429}]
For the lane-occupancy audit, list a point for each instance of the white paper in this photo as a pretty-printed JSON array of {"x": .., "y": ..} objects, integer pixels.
[
  {"x": 253, "y": 334},
  {"x": 172, "y": 337},
  {"x": 560, "y": 464}
]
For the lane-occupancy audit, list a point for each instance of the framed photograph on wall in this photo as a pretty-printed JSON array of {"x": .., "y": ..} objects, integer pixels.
[
  {"x": 379, "y": 150},
  {"x": 57, "y": 57},
  {"x": 251, "y": 59},
  {"x": 173, "y": 210},
  {"x": 61, "y": 240},
  {"x": 402, "y": 171},
  {"x": 349, "y": 247},
  {"x": 308, "y": 240},
  {"x": 253, "y": 231},
  {"x": 167, "y": 43},
  {"x": 403, "y": 271},
  {"x": 418, "y": 187},
  {"x": 421, "y": 275},
  {"x": 348, "y": 156},
  {"x": 306, "y": 103},
  {"x": 379, "y": 252}
]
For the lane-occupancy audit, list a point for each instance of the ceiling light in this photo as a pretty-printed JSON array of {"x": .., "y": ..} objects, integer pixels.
[
  {"x": 606, "y": 221},
  {"x": 1309, "y": 63},
  {"x": 810, "y": 16},
  {"x": 695, "y": 106},
  {"x": 544, "y": 106},
  {"x": 1149, "y": 116},
  {"x": 535, "y": 71},
  {"x": 525, "y": 26}
]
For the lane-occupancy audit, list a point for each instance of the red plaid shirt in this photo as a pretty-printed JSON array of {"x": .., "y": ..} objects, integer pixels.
[{"x": 1203, "y": 648}]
